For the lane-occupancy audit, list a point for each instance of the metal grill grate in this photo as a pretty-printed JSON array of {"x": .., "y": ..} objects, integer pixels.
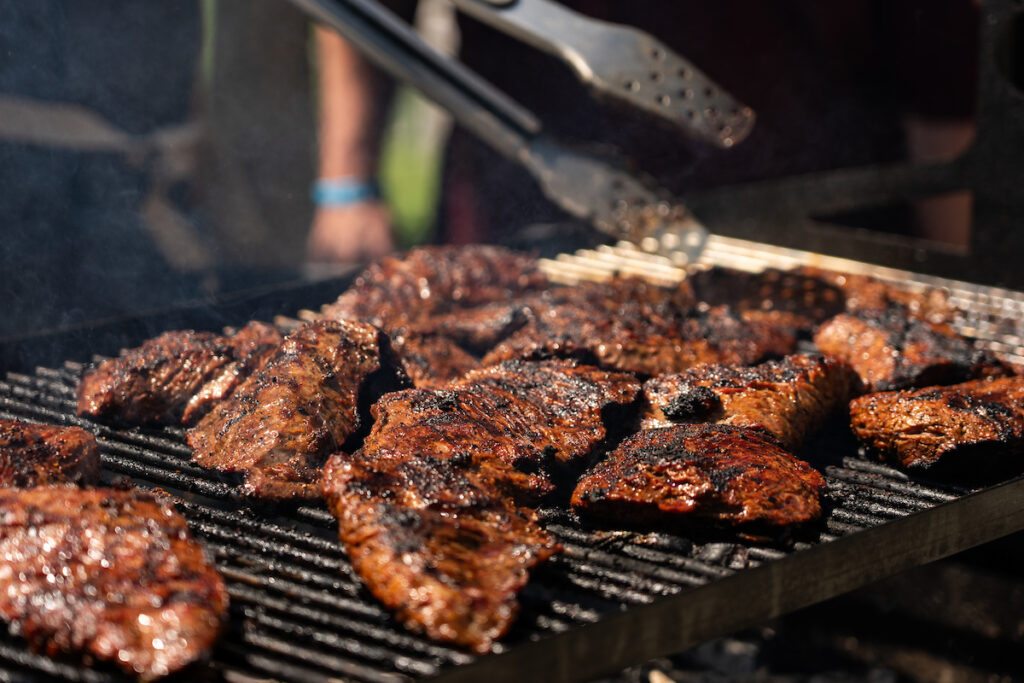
[{"x": 613, "y": 598}]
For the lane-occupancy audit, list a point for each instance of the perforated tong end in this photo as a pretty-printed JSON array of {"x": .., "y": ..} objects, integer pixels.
[{"x": 625, "y": 64}]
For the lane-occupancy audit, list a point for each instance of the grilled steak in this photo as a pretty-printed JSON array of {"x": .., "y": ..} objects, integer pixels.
[
  {"x": 436, "y": 542},
  {"x": 636, "y": 336},
  {"x": 865, "y": 293},
  {"x": 428, "y": 508},
  {"x": 175, "y": 377},
  {"x": 557, "y": 406},
  {"x": 611, "y": 293},
  {"x": 787, "y": 398},
  {"x": 891, "y": 350},
  {"x": 477, "y": 327},
  {"x": 982, "y": 418},
  {"x": 468, "y": 293},
  {"x": 111, "y": 575},
  {"x": 528, "y": 415},
  {"x": 713, "y": 472},
  {"x": 431, "y": 361},
  {"x": 46, "y": 455},
  {"x": 252, "y": 346},
  {"x": 307, "y": 400},
  {"x": 786, "y": 299}
]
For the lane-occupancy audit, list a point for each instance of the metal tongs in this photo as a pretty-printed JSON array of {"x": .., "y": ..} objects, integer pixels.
[{"x": 615, "y": 61}]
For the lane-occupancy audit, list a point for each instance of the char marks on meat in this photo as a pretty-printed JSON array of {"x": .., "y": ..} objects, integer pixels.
[
  {"x": 783, "y": 298},
  {"x": 955, "y": 425},
  {"x": 530, "y": 416},
  {"x": 46, "y": 455},
  {"x": 429, "y": 508},
  {"x": 252, "y": 347},
  {"x": 641, "y": 337},
  {"x": 174, "y": 378},
  {"x": 432, "y": 361},
  {"x": 721, "y": 473},
  {"x": 557, "y": 405},
  {"x": 467, "y": 293},
  {"x": 301, "y": 406},
  {"x": 436, "y": 541},
  {"x": 787, "y": 398},
  {"x": 891, "y": 350},
  {"x": 866, "y": 293},
  {"x": 111, "y": 575}
]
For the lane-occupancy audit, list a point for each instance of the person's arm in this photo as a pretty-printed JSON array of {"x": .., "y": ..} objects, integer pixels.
[{"x": 349, "y": 132}]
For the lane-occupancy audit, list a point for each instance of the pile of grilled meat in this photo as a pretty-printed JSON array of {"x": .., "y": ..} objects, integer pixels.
[{"x": 450, "y": 391}]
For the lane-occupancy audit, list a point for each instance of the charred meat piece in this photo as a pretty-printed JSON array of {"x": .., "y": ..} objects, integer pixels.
[
  {"x": 477, "y": 327},
  {"x": 46, "y": 455},
  {"x": 252, "y": 346},
  {"x": 436, "y": 543},
  {"x": 960, "y": 424},
  {"x": 565, "y": 404},
  {"x": 726, "y": 474},
  {"x": 611, "y": 293},
  {"x": 432, "y": 361},
  {"x": 866, "y": 293},
  {"x": 175, "y": 377},
  {"x": 646, "y": 339},
  {"x": 783, "y": 298},
  {"x": 551, "y": 410},
  {"x": 787, "y": 398},
  {"x": 428, "y": 508},
  {"x": 468, "y": 293},
  {"x": 307, "y": 400},
  {"x": 528, "y": 415},
  {"x": 111, "y": 575},
  {"x": 891, "y": 350}
]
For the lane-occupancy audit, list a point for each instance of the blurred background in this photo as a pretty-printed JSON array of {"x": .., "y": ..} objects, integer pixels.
[{"x": 162, "y": 152}]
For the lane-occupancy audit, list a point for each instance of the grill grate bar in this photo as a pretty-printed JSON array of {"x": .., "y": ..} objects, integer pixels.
[
  {"x": 284, "y": 660},
  {"x": 31, "y": 665},
  {"x": 899, "y": 490},
  {"x": 329, "y": 640},
  {"x": 426, "y": 651}
]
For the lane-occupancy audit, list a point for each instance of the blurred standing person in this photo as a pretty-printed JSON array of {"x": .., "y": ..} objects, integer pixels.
[
  {"x": 351, "y": 222},
  {"x": 91, "y": 91},
  {"x": 826, "y": 80}
]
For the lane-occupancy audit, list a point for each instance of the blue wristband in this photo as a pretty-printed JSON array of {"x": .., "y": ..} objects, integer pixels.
[{"x": 343, "y": 191}]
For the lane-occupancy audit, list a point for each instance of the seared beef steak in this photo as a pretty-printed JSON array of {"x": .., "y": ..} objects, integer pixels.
[
  {"x": 308, "y": 399},
  {"x": 784, "y": 298},
  {"x": 891, "y": 350},
  {"x": 639, "y": 337},
  {"x": 436, "y": 541},
  {"x": 712, "y": 472},
  {"x": 46, "y": 455},
  {"x": 921, "y": 428},
  {"x": 432, "y": 360},
  {"x": 866, "y": 293},
  {"x": 529, "y": 416},
  {"x": 787, "y": 398},
  {"x": 111, "y": 575},
  {"x": 468, "y": 293},
  {"x": 175, "y": 377},
  {"x": 428, "y": 508},
  {"x": 252, "y": 346}
]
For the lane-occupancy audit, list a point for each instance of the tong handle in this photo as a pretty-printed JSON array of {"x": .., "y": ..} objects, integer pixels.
[{"x": 624, "y": 64}]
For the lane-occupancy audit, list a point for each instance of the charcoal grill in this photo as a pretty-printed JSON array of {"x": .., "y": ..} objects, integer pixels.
[{"x": 614, "y": 598}]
